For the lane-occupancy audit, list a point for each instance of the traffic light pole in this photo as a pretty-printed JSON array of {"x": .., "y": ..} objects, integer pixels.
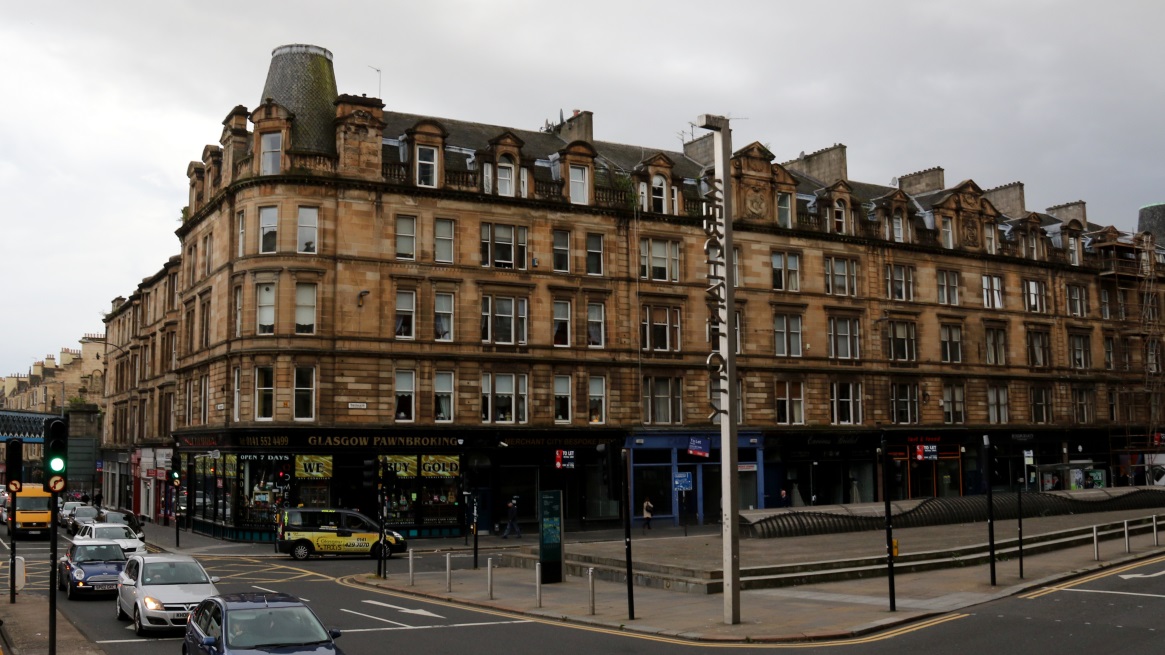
[
  {"x": 54, "y": 513},
  {"x": 12, "y": 549}
]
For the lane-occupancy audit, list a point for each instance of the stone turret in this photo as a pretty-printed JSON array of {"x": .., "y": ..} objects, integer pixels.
[{"x": 302, "y": 80}]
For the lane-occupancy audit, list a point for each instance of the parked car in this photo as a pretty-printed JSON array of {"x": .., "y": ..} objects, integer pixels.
[
  {"x": 160, "y": 590},
  {"x": 306, "y": 531},
  {"x": 253, "y": 622},
  {"x": 90, "y": 567},
  {"x": 125, "y": 518},
  {"x": 123, "y": 535},
  {"x": 82, "y": 515},
  {"x": 66, "y": 511}
]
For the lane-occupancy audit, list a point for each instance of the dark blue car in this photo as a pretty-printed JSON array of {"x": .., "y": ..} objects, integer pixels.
[
  {"x": 90, "y": 567},
  {"x": 257, "y": 623}
]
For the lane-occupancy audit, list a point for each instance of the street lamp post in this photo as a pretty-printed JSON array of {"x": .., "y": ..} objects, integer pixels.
[{"x": 990, "y": 505}]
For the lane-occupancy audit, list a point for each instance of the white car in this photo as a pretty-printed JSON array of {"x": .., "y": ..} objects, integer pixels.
[
  {"x": 159, "y": 591},
  {"x": 66, "y": 511},
  {"x": 124, "y": 535}
]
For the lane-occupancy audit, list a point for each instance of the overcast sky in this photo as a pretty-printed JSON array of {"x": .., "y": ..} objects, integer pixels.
[{"x": 106, "y": 102}]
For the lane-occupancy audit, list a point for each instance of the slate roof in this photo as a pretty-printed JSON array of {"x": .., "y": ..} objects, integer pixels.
[{"x": 302, "y": 80}]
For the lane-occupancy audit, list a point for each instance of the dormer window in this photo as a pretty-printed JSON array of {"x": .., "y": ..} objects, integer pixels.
[
  {"x": 271, "y": 145},
  {"x": 784, "y": 210},
  {"x": 506, "y": 176},
  {"x": 579, "y": 191},
  {"x": 947, "y": 232},
  {"x": 989, "y": 241},
  {"x": 1074, "y": 250},
  {"x": 426, "y": 166},
  {"x": 839, "y": 217},
  {"x": 897, "y": 228},
  {"x": 658, "y": 194}
]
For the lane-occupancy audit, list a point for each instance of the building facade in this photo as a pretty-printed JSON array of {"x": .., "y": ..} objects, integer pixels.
[{"x": 492, "y": 312}]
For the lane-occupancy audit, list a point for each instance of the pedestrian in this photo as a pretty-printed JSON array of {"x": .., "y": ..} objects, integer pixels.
[
  {"x": 85, "y": 498},
  {"x": 512, "y": 524},
  {"x": 785, "y": 500},
  {"x": 97, "y": 497},
  {"x": 647, "y": 507}
]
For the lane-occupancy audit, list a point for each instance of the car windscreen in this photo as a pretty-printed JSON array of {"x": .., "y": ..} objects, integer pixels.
[
  {"x": 85, "y": 512},
  {"x": 111, "y": 532},
  {"x": 163, "y": 573},
  {"x": 268, "y": 627},
  {"x": 104, "y": 553},
  {"x": 32, "y": 503}
]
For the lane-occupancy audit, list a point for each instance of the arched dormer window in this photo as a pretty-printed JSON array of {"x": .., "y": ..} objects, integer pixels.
[
  {"x": 898, "y": 227},
  {"x": 506, "y": 176},
  {"x": 1074, "y": 249},
  {"x": 839, "y": 217},
  {"x": 659, "y": 194},
  {"x": 947, "y": 232}
]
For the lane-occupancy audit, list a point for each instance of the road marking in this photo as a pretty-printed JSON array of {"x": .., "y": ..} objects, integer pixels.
[
  {"x": 432, "y": 627},
  {"x": 1089, "y": 578},
  {"x": 1143, "y": 575},
  {"x": 270, "y": 591},
  {"x": 405, "y": 610},
  {"x": 135, "y": 641},
  {"x": 1117, "y": 593},
  {"x": 377, "y": 618}
]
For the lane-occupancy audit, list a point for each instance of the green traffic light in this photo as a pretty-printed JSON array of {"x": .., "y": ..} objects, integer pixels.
[{"x": 57, "y": 464}]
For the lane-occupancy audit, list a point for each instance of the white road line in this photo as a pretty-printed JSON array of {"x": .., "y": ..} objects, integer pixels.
[
  {"x": 270, "y": 591},
  {"x": 369, "y": 616},
  {"x": 432, "y": 627},
  {"x": 404, "y": 609},
  {"x": 1118, "y": 593},
  {"x": 135, "y": 641}
]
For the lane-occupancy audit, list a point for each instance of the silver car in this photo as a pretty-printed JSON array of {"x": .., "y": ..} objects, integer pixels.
[{"x": 159, "y": 591}]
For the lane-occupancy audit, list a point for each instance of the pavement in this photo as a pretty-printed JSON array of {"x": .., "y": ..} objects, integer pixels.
[{"x": 806, "y": 612}]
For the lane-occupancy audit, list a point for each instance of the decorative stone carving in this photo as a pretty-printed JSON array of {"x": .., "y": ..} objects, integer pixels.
[
  {"x": 755, "y": 202},
  {"x": 971, "y": 232}
]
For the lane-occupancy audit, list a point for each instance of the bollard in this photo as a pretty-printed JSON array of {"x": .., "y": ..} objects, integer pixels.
[
  {"x": 412, "y": 580},
  {"x": 591, "y": 587},
  {"x": 1128, "y": 545},
  {"x": 1095, "y": 543},
  {"x": 489, "y": 576},
  {"x": 538, "y": 582},
  {"x": 448, "y": 572}
]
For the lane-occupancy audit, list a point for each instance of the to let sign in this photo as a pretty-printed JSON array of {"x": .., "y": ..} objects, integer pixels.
[{"x": 924, "y": 452}]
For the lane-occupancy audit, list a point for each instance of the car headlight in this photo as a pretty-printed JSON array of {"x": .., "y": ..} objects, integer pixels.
[
  {"x": 397, "y": 536},
  {"x": 151, "y": 603},
  {"x": 78, "y": 574}
]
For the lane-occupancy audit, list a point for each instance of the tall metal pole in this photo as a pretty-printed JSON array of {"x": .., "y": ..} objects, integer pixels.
[
  {"x": 889, "y": 522},
  {"x": 1019, "y": 527},
  {"x": 990, "y": 505},
  {"x": 627, "y": 535},
  {"x": 722, "y": 360},
  {"x": 12, "y": 544},
  {"x": 53, "y": 516}
]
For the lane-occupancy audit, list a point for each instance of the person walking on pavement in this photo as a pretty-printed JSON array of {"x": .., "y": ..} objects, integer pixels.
[
  {"x": 97, "y": 499},
  {"x": 647, "y": 507},
  {"x": 512, "y": 524}
]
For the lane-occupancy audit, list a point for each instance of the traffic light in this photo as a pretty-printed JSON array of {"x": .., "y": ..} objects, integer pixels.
[
  {"x": 14, "y": 463},
  {"x": 56, "y": 455},
  {"x": 176, "y": 470}
]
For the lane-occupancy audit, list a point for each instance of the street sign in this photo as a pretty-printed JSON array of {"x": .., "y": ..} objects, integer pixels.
[
  {"x": 682, "y": 481},
  {"x": 700, "y": 446},
  {"x": 14, "y": 486},
  {"x": 57, "y": 483}
]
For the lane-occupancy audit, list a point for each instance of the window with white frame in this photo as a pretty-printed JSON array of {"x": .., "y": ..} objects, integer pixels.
[
  {"x": 658, "y": 194},
  {"x": 307, "y": 241},
  {"x": 236, "y": 394},
  {"x": 997, "y": 404},
  {"x": 675, "y": 200},
  {"x": 594, "y": 254},
  {"x": 954, "y": 404},
  {"x": 948, "y": 288},
  {"x": 1035, "y": 296},
  {"x": 406, "y": 308},
  {"x": 903, "y": 344},
  {"x": 264, "y": 393},
  {"x": 993, "y": 291},
  {"x": 659, "y": 260},
  {"x": 503, "y": 398},
  {"x": 1083, "y": 403},
  {"x": 596, "y": 400},
  {"x": 241, "y": 232},
  {"x": 265, "y": 308},
  {"x": 845, "y": 403},
  {"x": 1040, "y": 404},
  {"x": 204, "y": 400},
  {"x": 238, "y": 302},
  {"x": 1080, "y": 351},
  {"x": 790, "y": 397},
  {"x": 841, "y": 276},
  {"x": 660, "y": 328},
  {"x": 1039, "y": 348},
  {"x": 990, "y": 238},
  {"x": 1109, "y": 352},
  {"x": 947, "y": 232},
  {"x": 443, "y": 397},
  {"x": 904, "y": 402},
  {"x": 995, "y": 346},
  {"x": 1122, "y": 303},
  {"x": 1105, "y": 308},
  {"x": 562, "y": 399},
  {"x": 271, "y": 153},
  {"x": 207, "y": 252},
  {"x": 487, "y": 178},
  {"x": 506, "y": 176},
  {"x": 596, "y": 325},
  {"x": 661, "y": 400},
  {"x": 561, "y": 323},
  {"x": 503, "y": 246},
  {"x": 1077, "y": 300},
  {"x": 406, "y": 237},
  {"x": 305, "y": 393},
  {"x": 503, "y": 320},
  {"x": 405, "y": 392},
  {"x": 844, "y": 338},
  {"x": 787, "y": 335},
  {"x": 579, "y": 186},
  {"x": 561, "y": 251},
  {"x": 443, "y": 229},
  {"x": 443, "y": 317},
  {"x": 786, "y": 271},
  {"x": 899, "y": 282},
  {"x": 426, "y": 166},
  {"x": 951, "y": 339},
  {"x": 268, "y": 229},
  {"x": 840, "y": 218},
  {"x": 1074, "y": 250},
  {"x": 305, "y": 308},
  {"x": 523, "y": 183},
  {"x": 784, "y": 210},
  {"x": 898, "y": 227}
]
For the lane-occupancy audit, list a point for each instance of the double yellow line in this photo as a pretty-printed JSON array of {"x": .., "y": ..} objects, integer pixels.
[{"x": 1089, "y": 578}]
